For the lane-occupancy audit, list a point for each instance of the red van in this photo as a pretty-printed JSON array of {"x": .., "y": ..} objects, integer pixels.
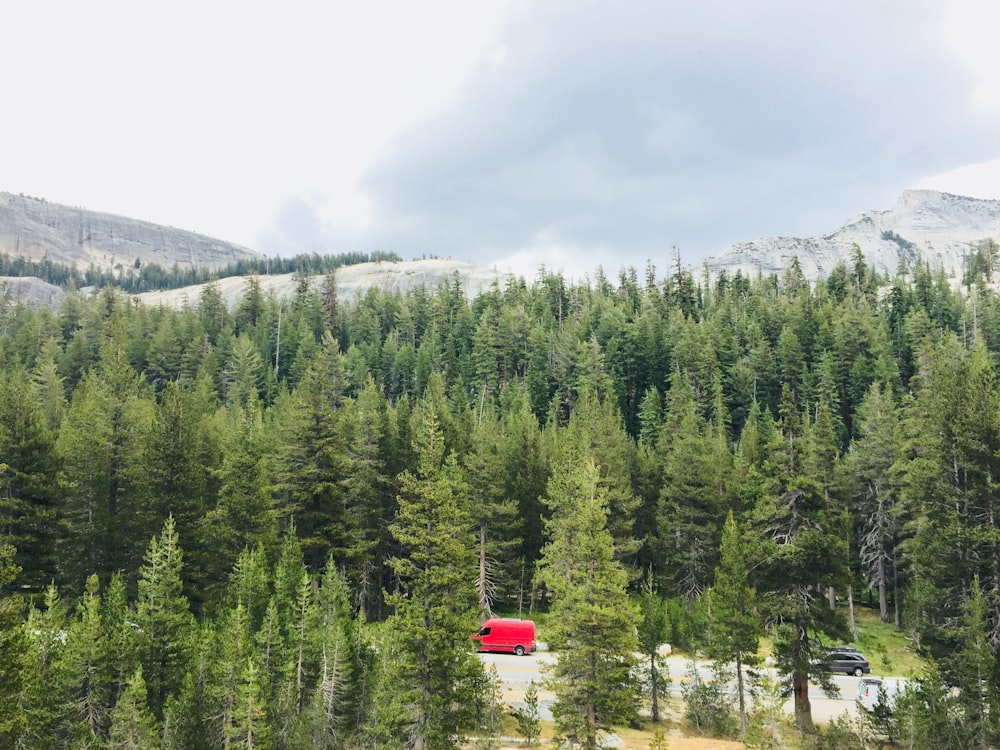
[{"x": 508, "y": 635}]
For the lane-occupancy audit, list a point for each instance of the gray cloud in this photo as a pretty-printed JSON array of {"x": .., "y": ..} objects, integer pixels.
[{"x": 624, "y": 130}]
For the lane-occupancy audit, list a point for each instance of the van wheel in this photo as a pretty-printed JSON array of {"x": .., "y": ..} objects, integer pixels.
[
  {"x": 518, "y": 650},
  {"x": 858, "y": 671}
]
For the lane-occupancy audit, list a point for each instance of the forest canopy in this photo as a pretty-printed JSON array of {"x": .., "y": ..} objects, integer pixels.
[{"x": 201, "y": 506}]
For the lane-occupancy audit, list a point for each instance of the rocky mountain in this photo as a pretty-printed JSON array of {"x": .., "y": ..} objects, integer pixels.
[
  {"x": 352, "y": 281},
  {"x": 34, "y": 228},
  {"x": 938, "y": 228},
  {"x": 31, "y": 291}
]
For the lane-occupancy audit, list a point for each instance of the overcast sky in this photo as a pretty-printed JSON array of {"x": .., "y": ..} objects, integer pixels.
[{"x": 516, "y": 134}]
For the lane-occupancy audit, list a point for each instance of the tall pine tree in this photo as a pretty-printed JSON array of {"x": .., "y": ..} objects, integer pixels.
[
  {"x": 435, "y": 609},
  {"x": 593, "y": 681}
]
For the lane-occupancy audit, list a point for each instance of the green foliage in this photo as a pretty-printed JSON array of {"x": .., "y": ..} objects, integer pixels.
[
  {"x": 529, "y": 723},
  {"x": 593, "y": 622},
  {"x": 133, "y": 726},
  {"x": 163, "y": 619},
  {"x": 436, "y": 670},
  {"x": 926, "y": 715},
  {"x": 734, "y": 619},
  {"x": 659, "y": 741},
  {"x": 768, "y": 727},
  {"x": 15, "y": 657},
  {"x": 850, "y": 426},
  {"x": 845, "y": 732},
  {"x": 492, "y": 711},
  {"x": 688, "y": 623},
  {"x": 654, "y": 631},
  {"x": 708, "y": 704}
]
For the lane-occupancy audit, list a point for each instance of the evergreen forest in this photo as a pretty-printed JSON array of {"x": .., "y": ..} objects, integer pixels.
[{"x": 277, "y": 525}]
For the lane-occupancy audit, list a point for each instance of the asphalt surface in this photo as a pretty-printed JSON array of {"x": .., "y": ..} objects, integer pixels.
[{"x": 517, "y": 672}]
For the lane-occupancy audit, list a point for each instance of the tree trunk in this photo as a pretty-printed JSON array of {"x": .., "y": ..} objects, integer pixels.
[
  {"x": 883, "y": 602},
  {"x": 803, "y": 708},
  {"x": 742, "y": 697},
  {"x": 482, "y": 581},
  {"x": 654, "y": 687},
  {"x": 850, "y": 613},
  {"x": 895, "y": 595}
]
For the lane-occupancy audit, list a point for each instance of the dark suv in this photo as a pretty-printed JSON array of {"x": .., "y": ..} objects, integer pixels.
[{"x": 846, "y": 660}]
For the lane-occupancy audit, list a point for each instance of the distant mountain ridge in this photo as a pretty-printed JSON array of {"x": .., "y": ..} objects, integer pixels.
[
  {"x": 939, "y": 228},
  {"x": 353, "y": 282},
  {"x": 36, "y": 229}
]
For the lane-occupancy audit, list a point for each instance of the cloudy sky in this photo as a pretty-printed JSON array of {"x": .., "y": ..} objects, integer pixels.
[{"x": 515, "y": 134}]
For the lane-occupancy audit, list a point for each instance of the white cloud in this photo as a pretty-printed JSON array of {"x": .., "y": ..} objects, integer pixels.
[
  {"x": 209, "y": 116},
  {"x": 970, "y": 27},
  {"x": 570, "y": 134},
  {"x": 974, "y": 180}
]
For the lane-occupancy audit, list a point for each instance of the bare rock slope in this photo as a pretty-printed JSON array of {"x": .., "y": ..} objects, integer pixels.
[
  {"x": 938, "y": 228},
  {"x": 36, "y": 229},
  {"x": 352, "y": 281},
  {"x": 31, "y": 291}
]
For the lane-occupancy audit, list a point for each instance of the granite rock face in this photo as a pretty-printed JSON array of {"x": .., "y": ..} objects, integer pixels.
[
  {"x": 352, "y": 282},
  {"x": 36, "y": 229},
  {"x": 937, "y": 228},
  {"x": 31, "y": 291}
]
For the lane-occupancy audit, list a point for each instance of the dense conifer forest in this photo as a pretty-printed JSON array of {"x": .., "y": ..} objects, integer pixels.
[{"x": 276, "y": 526}]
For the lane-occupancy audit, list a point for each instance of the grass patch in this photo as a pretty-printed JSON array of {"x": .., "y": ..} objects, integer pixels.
[{"x": 888, "y": 650}]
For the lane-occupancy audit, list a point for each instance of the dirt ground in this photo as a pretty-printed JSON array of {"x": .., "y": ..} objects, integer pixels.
[
  {"x": 640, "y": 739},
  {"x": 637, "y": 739}
]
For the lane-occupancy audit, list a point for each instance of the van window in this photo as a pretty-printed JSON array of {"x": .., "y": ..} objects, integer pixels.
[{"x": 485, "y": 631}]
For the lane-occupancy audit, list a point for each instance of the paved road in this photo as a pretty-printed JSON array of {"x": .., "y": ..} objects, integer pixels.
[{"x": 517, "y": 672}]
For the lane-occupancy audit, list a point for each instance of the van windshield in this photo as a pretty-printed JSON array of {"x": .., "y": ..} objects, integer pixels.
[{"x": 484, "y": 631}]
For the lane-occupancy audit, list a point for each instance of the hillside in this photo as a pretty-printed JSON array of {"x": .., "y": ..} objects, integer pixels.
[
  {"x": 37, "y": 229},
  {"x": 352, "y": 281},
  {"x": 938, "y": 227},
  {"x": 29, "y": 290}
]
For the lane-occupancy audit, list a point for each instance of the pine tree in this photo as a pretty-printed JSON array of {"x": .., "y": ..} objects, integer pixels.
[
  {"x": 367, "y": 495},
  {"x": 690, "y": 501},
  {"x": 119, "y": 635},
  {"x": 233, "y": 649},
  {"x": 597, "y": 423},
  {"x": 102, "y": 445},
  {"x": 313, "y": 465},
  {"x": 592, "y": 680},
  {"x": 735, "y": 623},
  {"x": 15, "y": 656},
  {"x": 529, "y": 723},
  {"x": 249, "y": 729},
  {"x": 801, "y": 554},
  {"x": 244, "y": 516},
  {"x": 28, "y": 497},
  {"x": 133, "y": 726},
  {"x": 494, "y": 515},
  {"x": 163, "y": 619},
  {"x": 974, "y": 668},
  {"x": 870, "y": 464},
  {"x": 654, "y": 631},
  {"x": 329, "y": 714},
  {"x": 524, "y": 482},
  {"x": 434, "y": 616},
  {"x": 80, "y": 675},
  {"x": 183, "y": 453}
]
